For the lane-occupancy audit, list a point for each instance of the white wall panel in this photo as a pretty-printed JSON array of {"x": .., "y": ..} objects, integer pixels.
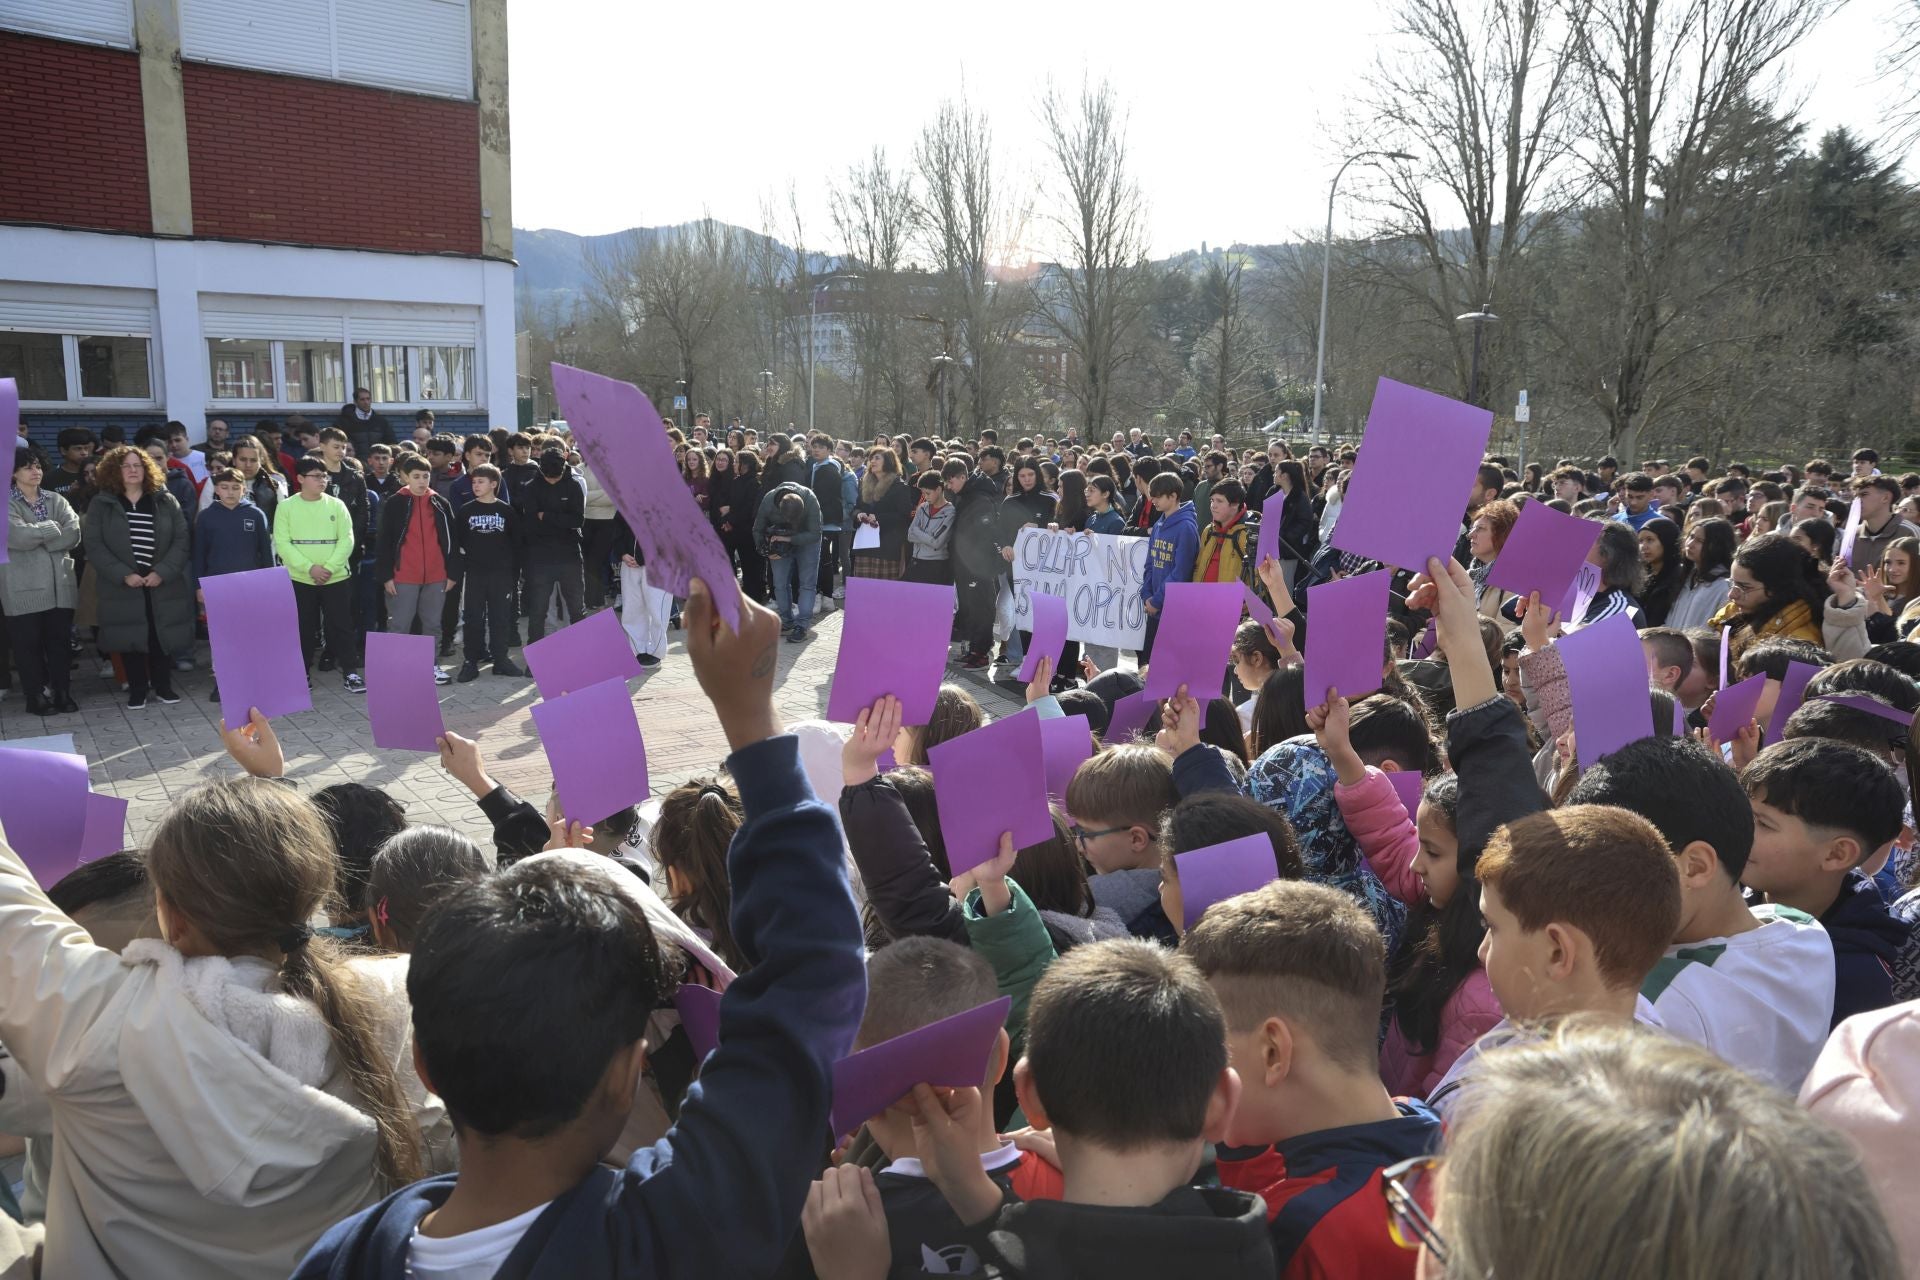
[{"x": 94, "y": 21}]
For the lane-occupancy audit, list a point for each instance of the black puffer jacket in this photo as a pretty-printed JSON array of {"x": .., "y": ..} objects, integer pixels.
[
  {"x": 979, "y": 528},
  {"x": 902, "y": 883}
]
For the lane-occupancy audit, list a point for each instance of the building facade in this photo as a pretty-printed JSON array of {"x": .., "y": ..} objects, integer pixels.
[{"x": 243, "y": 210}]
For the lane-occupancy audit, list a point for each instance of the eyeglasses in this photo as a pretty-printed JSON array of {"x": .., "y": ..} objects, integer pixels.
[
  {"x": 1742, "y": 589},
  {"x": 1081, "y": 835},
  {"x": 1410, "y": 1189}
]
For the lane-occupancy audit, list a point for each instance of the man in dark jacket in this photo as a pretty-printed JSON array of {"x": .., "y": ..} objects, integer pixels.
[
  {"x": 488, "y": 530},
  {"x": 978, "y": 535},
  {"x": 786, "y": 530},
  {"x": 363, "y": 427},
  {"x": 553, "y": 511}
]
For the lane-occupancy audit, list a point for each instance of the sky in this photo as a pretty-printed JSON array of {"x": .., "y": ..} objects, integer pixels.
[{"x": 628, "y": 114}]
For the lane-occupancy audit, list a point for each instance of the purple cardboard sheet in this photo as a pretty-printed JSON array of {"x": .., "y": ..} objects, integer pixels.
[
  {"x": 1409, "y": 786},
  {"x": 403, "y": 703},
  {"x": 1346, "y": 636},
  {"x": 254, "y": 628},
  {"x": 1607, "y": 678},
  {"x": 594, "y": 748},
  {"x": 1793, "y": 691},
  {"x": 989, "y": 781},
  {"x": 1258, "y": 610},
  {"x": 1221, "y": 871},
  {"x": 1679, "y": 719},
  {"x": 1733, "y": 708},
  {"x": 10, "y": 424},
  {"x": 1195, "y": 639},
  {"x": 43, "y": 809},
  {"x": 1849, "y": 534},
  {"x": 106, "y": 829},
  {"x": 1049, "y": 637},
  {"x": 586, "y": 652},
  {"x": 1543, "y": 553},
  {"x": 624, "y": 443},
  {"x": 1066, "y": 743},
  {"x": 1726, "y": 653},
  {"x": 893, "y": 640},
  {"x": 1868, "y": 703},
  {"x": 1130, "y": 715},
  {"x": 699, "y": 1017},
  {"x": 950, "y": 1054},
  {"x": 1418, "y": 460},
  {"x": 1267, "y": 544}
]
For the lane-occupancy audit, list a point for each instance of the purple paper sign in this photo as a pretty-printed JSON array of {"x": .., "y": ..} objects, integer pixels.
[
  {"x": 1409, "y": 786},
  {"x": 893, "y": 640},
  {"x": 1418, "y": 461},
  {"x": 1733, "y": 707},
  {"x": 254, "y": 627},
  {"x": 10, "y": 406},
  {"x": 1258, "y": 610},
  {"x": 1429, "y": 641},
  {"x": 1793, "y": 690},
  {"x": 1130, "y": 715},
  {"x": 1543, "y": 553},
  {"x": 1221, "y": 871},
  {"x": 43, "y": 809},
  {"x": 1194, "y": 640},
  {"x": 594, "y": 748},
  {"x": 106, "y": 829},
  {"x": 699, "y": 1017},
  {"x": 989, "y": 781},
  {"x": 1869, "y": 704},
  {"x": 1607, "y": 678},
  {"x": 1049, "y": 638},
  {"x": 1726, "y": 652},
  {"x": 625, "y": 445},
  {"x": 1679, "y": 719},
  {"x": 1849, "y": 534},
  {"x": 586, "y": 652},
  {"x": 950, "y": 1054},
  {"x": 1267, "y": 544},
  {"x": 1347, "y": 636},
  {"x": 403, "y": 705},
  {"x": 1066, "y": 743}
]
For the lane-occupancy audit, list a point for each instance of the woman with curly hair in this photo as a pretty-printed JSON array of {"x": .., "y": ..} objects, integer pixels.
[{"x": 136, "y": 541}]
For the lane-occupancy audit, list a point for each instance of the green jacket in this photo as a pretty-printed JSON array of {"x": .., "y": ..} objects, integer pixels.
[
  {"x": 309, "y": 534},
  {"x": 1017, "y": 945}
]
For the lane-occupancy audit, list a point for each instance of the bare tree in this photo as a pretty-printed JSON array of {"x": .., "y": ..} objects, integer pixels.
[
  {"x": 674, "y": 285},
  {"x": 1099, "y": 217},
  {"x": 1480, "y": 97},
  {"x": 1669, "y": 104},
  {"x": 972, "y": 223},
  {"x": 875, "y": 215}
]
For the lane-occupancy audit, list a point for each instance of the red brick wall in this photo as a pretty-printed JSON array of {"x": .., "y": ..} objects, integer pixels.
[
  {"x": 74, "y": 137},
  {"x": 314, "y": 162}
]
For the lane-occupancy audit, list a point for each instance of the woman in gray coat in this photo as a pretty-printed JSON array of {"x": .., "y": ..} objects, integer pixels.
[
  {"x": 36, "y": 585},
  {"x": 136, "y": 540}
]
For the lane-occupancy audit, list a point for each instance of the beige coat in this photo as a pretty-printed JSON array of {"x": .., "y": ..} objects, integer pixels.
[{"x": 200, "y": 1125}]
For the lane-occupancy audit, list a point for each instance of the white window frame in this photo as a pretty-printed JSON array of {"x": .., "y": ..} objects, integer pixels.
[
  {"x": 70, "y": 358},
  {"x": 279, "y": 402}
]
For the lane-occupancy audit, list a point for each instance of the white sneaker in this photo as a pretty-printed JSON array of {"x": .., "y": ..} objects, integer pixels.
[{"x": 840, "y": 592}]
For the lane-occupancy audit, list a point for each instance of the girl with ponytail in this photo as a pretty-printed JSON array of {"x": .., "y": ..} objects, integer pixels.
[
  {"x": 223, "y": 1093},
  {"x": 697, "y": 823}
]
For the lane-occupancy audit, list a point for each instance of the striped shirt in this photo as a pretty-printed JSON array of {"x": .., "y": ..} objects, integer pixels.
[{"x": 140, "y": 534}]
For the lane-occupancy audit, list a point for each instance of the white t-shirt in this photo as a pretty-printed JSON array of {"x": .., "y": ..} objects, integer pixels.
[
  {"x": 477, "y": 1255},
  {"x": 1502, "y": 1034},
  {"x": 1763, "y": 999},
  {"x": 196, "y": 464}
]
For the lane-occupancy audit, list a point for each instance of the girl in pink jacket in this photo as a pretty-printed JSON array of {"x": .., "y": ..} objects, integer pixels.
[{"x": 1442, "y": 1001}]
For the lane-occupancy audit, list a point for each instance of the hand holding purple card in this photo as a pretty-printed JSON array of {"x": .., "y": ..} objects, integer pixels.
[
  {"x": 989, "y": 781},
  {"x": 1347, "y": 636},
  {"x": 893, "y": 640},
  {"x": 625, "y": 445},
  {"x": 1221, "y": 871},
  {"x": 1607, "y": 680},
  {"x": 1049, "y": 638},
  {"x": 254, "y": 627},
  {"x": 1418, "y": 460},
  {"x": 951, "y": 1054},
  {"x": 1733, "y": 707},
  {"x": 1195, "y": 638}
]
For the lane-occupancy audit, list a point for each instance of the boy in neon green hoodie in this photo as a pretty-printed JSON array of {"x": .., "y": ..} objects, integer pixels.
[{"x": 313, "y": 534}]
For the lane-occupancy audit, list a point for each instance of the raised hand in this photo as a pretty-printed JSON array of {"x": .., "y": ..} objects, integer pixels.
[
  {"x": 735, "y": 669},
  {"x": 873, "y": 732}
]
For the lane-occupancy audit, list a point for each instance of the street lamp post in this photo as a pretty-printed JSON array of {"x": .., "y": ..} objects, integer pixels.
[
  {"x": 813, "y": 313},
  {"x": 766, "y": 395},
  {"x": 1326, "y": 275},
  {"x": 1481, "y": 319},
  {"x": 941, "y": 363}
]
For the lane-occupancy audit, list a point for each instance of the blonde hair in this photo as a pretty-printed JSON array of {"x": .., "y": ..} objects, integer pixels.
[
  {"x": 1606, "y": 1151},
  {"x": 249, "y": 863}
]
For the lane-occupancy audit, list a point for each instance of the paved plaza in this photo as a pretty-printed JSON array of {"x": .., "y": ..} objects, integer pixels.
[{"x": 155, "y": 755}]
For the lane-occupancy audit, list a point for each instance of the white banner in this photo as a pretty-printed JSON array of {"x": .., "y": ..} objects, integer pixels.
[{"x": 1097, "y": 574}]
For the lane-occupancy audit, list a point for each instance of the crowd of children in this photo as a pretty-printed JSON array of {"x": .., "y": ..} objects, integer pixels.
[{"x": 1651, "y": 1016}]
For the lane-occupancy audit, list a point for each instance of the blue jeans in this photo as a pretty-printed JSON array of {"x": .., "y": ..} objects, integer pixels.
[{"x": 805, "y": 563}]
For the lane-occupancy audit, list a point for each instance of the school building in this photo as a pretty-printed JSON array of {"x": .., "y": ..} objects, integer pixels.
[{"x": 242, "y": 210}]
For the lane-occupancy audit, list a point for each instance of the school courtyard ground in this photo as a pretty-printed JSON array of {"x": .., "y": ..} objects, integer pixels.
[{"x": 153, "y": 756}]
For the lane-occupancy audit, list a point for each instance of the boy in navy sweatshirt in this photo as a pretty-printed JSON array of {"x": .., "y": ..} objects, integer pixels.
[
  {"x": 487, "y": 530},
  {"x": 1172, "y": 552},
  {"x": 230, "y": 536},
  {"x": 531, "y": 993}
]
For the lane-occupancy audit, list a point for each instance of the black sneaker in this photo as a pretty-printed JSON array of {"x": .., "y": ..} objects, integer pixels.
[
  {"x": 325, "y": 663},
  {"x": 446, "y": 648},
  {"x": 468, "y": 671},
  {"x": 354, "y": 683},
  {"x": 796, "y": 635},
  {"x": 167, "y": 696},
  {"x": 214, "y": 696},
  {"x": 505, "y": 667},
  {"x": 646, "y": 659},
  {"x": 136, "y": 702},
  {"x": 65, "y": 704}
]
